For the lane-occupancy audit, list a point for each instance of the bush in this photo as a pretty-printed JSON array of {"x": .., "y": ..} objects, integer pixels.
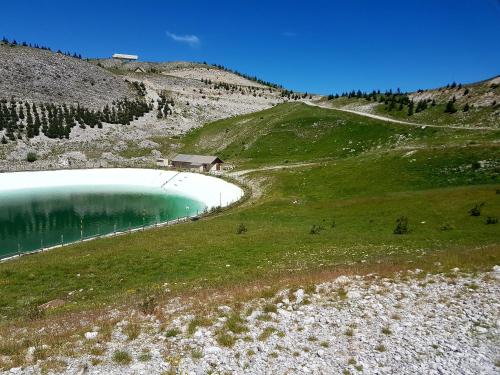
[
  {"x": 446, "y": 227},
  {"x": 148, "y": 305},
  {"x": 31, "y": 157},
  {"x": 401, "y": 225},
  {"x": 476, "y": 210},
  {"x": 241, "y": 229},
  {"x": 491, "y": 220},
  {"x": 172, "y": 332},
  {"x": 33, "y": 311},
  {"x": 315, "y": 229}
]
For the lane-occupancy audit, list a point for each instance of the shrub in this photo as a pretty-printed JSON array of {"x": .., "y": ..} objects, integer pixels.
[
  {"x": 401, "y": 225},
  {"x": 122, "y": 357},
  {"x": 476, "y": 210},
  {"x": 172, "y": 332},
  {"x": 132, "y": 330},
  {"x": 315, "y": 229},
  {"x": 31, "y": 157},
  {"x": 491, "y": 220},
  {"x": 241, "y": 229},
  {"x": 148, "y": 305},
  {"x": 33, "y": 311}
]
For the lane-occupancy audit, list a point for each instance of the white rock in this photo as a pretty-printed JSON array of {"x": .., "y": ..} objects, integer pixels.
[
  {"x": 299, "y": 296},
  {"x": 353, "y": 294},
  {"x": 224, "y": 309},
  {"x": 198, "y": 334},
  {"x": 91, "y": 335},
  {"x": 309, "y": 320},
  {"x": 480, "y": 329},
  {"x": 212, "y": 350},
  {"x": 342, "y": 280}
]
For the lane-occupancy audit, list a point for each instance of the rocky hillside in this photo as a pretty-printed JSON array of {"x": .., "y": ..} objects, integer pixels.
[
  {"x": 71, "y": 112},
  {"x": 36, "y": 75}
]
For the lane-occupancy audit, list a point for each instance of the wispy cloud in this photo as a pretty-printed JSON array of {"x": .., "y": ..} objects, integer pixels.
[
  {"x": 289, "y": 34},
  {"x": 190, "y": 40}
]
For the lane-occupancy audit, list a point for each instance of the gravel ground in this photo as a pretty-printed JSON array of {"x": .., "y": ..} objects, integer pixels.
[{"x": 412, "y": 324}]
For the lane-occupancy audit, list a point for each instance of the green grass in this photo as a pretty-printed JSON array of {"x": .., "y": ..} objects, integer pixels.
[
  {"x": 363, "y": 191},
  {"x": 122, "y": 357}
]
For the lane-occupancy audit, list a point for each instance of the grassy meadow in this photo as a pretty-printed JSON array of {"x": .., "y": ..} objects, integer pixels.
[{"x": 339, "y": 213}]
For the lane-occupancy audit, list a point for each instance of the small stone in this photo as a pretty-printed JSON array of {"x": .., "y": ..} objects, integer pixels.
[
  {"x": 320, "y": 353},
  {"x": 91, "y": 335},
  {"x": 299, "y": 296},
  {"x": 224, "y": 309},
  {"x": 353, "y": 294},
  {"x": 480, "y": 329},
  {"x": 342, "y": 280},
  {"x": 309, "y": 320},
  {"x": 212, "y": 350}
]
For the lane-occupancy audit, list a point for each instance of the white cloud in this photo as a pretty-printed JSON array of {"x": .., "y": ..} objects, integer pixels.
[{"x": 190, "y": 40}]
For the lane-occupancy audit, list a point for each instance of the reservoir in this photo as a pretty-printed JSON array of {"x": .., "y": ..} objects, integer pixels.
[{"x": 45, "y": 209}]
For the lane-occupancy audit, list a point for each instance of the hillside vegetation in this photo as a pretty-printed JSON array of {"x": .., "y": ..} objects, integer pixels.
[
  {"x": 340, "y": 211},
  {"x": 475, "y": 104}
]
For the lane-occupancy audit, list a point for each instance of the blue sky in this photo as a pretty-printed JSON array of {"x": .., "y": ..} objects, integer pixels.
[{"x": 315, "y": 46}]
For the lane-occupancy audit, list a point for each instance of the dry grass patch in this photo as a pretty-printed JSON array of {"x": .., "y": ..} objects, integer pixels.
[
  {"x": 132, "y": 330},
  {"x": 198, "y": 322},
  {"x": 122, "y": 357},
  {"x": 266, "y": 333}
]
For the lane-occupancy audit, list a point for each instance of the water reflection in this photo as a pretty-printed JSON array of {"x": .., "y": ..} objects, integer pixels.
[{"x": 29, "y": 219}]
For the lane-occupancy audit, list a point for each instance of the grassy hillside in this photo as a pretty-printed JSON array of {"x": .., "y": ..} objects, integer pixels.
[
  {"x": 297, "y": 132},
  {"x": 476, "y": 104},
  {"x": 338, "y": 213}
]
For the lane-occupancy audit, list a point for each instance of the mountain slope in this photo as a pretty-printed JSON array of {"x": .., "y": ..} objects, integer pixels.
[
  {"x": 42, "y": 76},
  {"x": 84, "y": 120}
]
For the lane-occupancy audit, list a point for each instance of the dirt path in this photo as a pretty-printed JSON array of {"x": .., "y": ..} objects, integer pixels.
[
  {"x": 237, "y": 174},
  {"x": 256, "y": 184},
  {"x": 388, "y": 119}
]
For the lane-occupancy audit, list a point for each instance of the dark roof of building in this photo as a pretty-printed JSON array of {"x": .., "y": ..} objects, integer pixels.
[{"x": 196, "y": 159}]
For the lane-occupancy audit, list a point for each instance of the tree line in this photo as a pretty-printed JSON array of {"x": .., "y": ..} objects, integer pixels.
[
  {"x": 401, "y": 101},
  {"x": 24, "y": 119},
  {"x": 14, "y": 43}
]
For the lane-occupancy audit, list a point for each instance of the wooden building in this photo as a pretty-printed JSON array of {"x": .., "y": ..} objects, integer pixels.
[{"x": 202, "y": 163}]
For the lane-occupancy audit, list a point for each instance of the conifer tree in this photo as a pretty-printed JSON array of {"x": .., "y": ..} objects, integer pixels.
[
  {"x": 410, "y": 108},
  {"x": 450, "y": 107}
]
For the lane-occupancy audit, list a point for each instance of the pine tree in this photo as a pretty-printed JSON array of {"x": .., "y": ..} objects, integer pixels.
[
  {"x": 466, "y": 107},
  {"x": 450, "y": 107},
  {"x": 410, "y": 108}
]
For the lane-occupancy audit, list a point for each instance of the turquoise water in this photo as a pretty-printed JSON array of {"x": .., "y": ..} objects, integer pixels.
[{"x": 35, "y": 218}]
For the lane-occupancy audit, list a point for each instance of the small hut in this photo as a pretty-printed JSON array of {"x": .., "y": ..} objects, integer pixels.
[{"x": 202, "y": 163}]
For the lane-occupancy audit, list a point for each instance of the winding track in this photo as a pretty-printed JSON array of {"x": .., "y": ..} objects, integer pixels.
[{"x": 388, "y": 119}]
